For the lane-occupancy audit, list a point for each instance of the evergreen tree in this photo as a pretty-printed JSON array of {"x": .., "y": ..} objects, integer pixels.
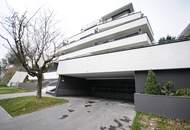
[{"x": 151, "y": 84}]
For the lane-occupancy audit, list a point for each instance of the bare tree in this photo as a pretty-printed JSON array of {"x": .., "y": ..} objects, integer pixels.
[
  {"x": 12, "y": 59},
  {"x": 34, "y": 40}
]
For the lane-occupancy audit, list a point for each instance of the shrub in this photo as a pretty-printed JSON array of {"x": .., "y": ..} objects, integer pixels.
[
  {"x": 167, "y": 39},
  {"x": 167, "y": 88},
  {"x": 183, "y": 92},
  {"x": 151, "y": 84}
]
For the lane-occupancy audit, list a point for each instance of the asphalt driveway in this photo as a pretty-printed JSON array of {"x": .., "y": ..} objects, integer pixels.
[{"x": 78, "y": 114}]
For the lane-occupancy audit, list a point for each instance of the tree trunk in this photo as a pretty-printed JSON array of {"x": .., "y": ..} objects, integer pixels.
[{"x": 39, "y": 86}]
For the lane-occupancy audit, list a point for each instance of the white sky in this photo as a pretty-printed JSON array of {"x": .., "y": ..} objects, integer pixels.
[{"x": 165, "y": 16}]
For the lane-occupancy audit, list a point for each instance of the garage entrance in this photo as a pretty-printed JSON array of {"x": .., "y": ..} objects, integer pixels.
[{"x": 113, "y": 88}]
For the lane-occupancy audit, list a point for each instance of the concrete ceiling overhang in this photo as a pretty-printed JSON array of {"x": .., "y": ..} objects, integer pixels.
[{"x": 105, "y": 75}]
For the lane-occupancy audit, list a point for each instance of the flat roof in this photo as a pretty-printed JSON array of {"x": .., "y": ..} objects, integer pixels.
[{"x": 126, "y": 7}]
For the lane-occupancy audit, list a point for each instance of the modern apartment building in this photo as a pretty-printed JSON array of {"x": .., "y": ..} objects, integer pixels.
[{"x": 111, "y": 56}]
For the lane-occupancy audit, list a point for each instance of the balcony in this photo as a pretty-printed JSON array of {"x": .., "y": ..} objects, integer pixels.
[
  {"x": 106, "y": 26},
  {"x": 120, "y": 21},
  {"x": 118, "y": 45},
  {"x": 114, "y": 33}
]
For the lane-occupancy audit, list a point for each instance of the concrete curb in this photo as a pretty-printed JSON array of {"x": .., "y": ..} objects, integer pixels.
[{"x": 4, "y": 115}]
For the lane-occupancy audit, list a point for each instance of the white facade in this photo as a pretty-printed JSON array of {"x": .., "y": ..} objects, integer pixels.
[
  {"x": 117, "y": 46},
  {"x": 170, "y": 56}
]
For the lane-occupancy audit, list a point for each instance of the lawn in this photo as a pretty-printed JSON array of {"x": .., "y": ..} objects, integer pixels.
[
  {"x": 5, "y": 90},
  {"x": 144, "y": 121},
  {"x": 22, "y": 105}
]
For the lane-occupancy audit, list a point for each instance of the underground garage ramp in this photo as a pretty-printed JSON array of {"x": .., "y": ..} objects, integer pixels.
[{"x": 113, "y": 88}]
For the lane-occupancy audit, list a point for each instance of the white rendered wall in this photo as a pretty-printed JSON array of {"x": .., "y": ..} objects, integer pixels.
[{"x": 169, "y": 56}]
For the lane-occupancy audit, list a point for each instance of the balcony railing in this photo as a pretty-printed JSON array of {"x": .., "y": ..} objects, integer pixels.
[
  {"x": 114, "y": 33},
  {"x": 118, "y": 45}
]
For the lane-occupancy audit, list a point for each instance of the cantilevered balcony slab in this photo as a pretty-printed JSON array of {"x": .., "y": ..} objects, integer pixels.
[
  {"x": 118, "y": 45},
  {"x": 82, "y": 34},
  {"x": 114, "y": 33},
  {"x": 120, "y": 21},
  {"x": 106, "y": 26},
  {"x": 159, "y": 57}
]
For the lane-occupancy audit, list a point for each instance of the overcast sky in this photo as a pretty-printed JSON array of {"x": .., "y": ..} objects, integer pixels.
[{"x": 165, "y": 16}]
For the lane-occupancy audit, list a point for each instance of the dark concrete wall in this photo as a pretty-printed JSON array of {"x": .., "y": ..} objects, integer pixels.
[
  {"x": 180, "y": 78},
  {"x": 168, "y": 106},
  {"x": 71, "y": 86},
  {"x": 112, "y": 88}
]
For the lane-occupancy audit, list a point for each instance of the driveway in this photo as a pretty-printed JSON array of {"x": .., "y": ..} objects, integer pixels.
[{"x": 78, "y": 114}]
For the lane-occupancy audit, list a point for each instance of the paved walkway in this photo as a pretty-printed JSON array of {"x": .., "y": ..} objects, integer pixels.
[
  {"x": 78, "y": 114},
  {"x": 4, "y": 115},
  {"x": 13, "y": 95}
]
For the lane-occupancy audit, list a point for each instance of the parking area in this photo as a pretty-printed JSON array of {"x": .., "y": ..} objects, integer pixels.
[
  {"x": 122, "y": 89},
  {"x": 81, "y": 113}
]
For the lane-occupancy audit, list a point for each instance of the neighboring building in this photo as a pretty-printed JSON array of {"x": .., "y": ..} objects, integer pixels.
[
  {"x": 46, "y": 76},
  {"x": 51, "y": 74},
  {"x": 18, "y": 77},
  {"x": 186, "y": 32},
  {"x": 111, "y": 57}
]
